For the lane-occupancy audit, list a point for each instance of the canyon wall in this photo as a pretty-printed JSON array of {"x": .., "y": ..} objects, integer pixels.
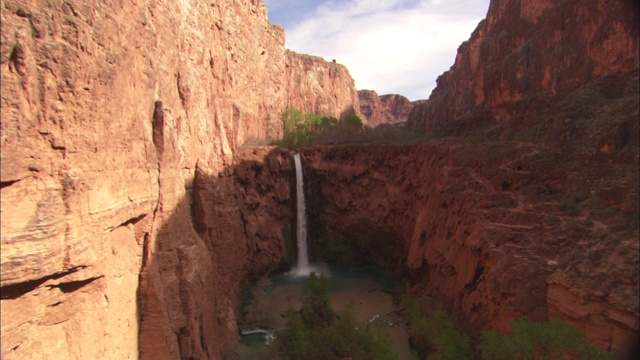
[
  {"x": 390, "y": 108},
  {"x": 526, "y": 56},
  {"x": 111, "y": 111},
  {"x": 320, "y": 87},
  {"x": 133, "y": 214},
  {"x": 564, "y": 75},
  {"x": 493, "y": 231}
]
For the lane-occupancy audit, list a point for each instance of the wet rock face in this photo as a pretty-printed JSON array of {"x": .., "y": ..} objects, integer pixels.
[
  {"x": 383, "y": 109},
  {"x": 530, "y": 51},
  {"x": 107, "y": 107},
  {"x": 491, "y": 228}
]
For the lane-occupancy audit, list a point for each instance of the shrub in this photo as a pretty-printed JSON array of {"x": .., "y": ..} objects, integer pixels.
[
  {"x": 302, "y": 129},
  {"x": 316, "y": 333},
  {"x": 353, "y": 120},
  {"x": 435, "y": 335},
  {"x": 316, "y": 310},
  {"x": 530, "y": 340}
]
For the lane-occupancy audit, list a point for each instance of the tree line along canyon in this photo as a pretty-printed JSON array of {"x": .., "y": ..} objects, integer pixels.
[{"x": 140, "y": 196}]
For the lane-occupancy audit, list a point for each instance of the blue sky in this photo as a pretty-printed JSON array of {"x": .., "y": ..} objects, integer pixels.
[{"x": 390, "y": 46}]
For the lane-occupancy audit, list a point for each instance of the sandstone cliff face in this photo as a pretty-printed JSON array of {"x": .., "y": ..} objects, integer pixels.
[
  {"x": 497, "y": 230},
  {"x": 320, "y": 87},
  {"x": 527, "y": 54},
  {"x": 563, "y": 74},
  {"x": 390, "y": 108},
  {"x": 107, "y": 107}
]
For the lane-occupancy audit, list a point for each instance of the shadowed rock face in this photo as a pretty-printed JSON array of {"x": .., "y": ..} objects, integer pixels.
[
  {"x": 526, "y": 56},
  {"x": 562, "y": 74},
  {"x": 107, "y": 107},
  {"x": 496, "y": 230},
  {"x": 230, "y": 228}
]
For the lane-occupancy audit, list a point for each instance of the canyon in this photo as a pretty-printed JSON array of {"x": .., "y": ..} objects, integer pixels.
[
  {"x": 496, "y": 239},
  {"x": 139, "y": 199},
  {"x": 390, "y": 108},
  {"x": 112, "y": 114},
  {"x": 527, "y": 56}
]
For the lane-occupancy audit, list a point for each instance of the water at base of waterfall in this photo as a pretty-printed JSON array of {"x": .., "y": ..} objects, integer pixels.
[
  {"x": 368, "y": 289},
  {"x": 318, "y": 269}
]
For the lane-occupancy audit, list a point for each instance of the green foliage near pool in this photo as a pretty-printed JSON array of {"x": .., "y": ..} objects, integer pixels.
[
  {"x": 316, "y": 332},
  {"x": 530, "y": 340}
]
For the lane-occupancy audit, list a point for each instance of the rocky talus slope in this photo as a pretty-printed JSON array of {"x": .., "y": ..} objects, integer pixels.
[
  {"x": 390, "y": 108},
  {"x": 110, "y": 110}
]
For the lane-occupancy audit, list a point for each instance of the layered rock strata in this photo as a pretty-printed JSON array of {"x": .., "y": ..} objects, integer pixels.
[
  {"x": 107, "y": 107},
  {"x": 390, "y": 108},
  {"x": 526, "y": 55},
  {"x": 496, "y": 230},
  {"x": 562, "y": 74},
  {"x": 320, "y": 87},
  {"x": 131, "y": 215}
]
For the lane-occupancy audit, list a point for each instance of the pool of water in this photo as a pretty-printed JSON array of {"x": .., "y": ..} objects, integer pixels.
[{"x": 369, "y": 289}]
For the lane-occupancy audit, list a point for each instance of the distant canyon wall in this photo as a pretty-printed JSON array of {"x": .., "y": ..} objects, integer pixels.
[
  {"x": 318, "y": 86},
  {"x": 390, "y": 108},
  {"x": 527, "y": 54},
  {"x": 108, "y": 110}
]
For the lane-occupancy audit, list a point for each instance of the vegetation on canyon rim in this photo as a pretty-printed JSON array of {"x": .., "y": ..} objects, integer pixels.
[{"x": 302, "y": 129}]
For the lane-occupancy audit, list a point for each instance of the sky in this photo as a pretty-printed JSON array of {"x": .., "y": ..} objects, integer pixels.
[{"x": 390, "y": 46}]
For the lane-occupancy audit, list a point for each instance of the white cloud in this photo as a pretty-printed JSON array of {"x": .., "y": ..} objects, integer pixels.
[{"x": 391, "y": 46}]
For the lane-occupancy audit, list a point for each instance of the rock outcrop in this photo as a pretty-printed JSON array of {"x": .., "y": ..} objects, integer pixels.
[
  {"x": 320, "y": 87},
  {"x": 497, "y": 230},
  {"x": 108, "y": 110},
  {"x": 527, "y": 56},
  {"x": 390, "y": 108},
  {"x": 564, "y": 75}
]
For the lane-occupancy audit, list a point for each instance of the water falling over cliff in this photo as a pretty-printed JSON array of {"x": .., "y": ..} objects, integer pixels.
[{"x": 302, "y": 267}]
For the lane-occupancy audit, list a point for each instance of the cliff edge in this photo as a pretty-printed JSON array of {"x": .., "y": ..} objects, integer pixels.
[
  {"x": 527, "y": 55},
  {"x": 108, "y": 110}
]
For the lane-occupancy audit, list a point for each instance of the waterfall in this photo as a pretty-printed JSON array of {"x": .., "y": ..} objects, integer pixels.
[
  {"x": 302, "y": 265},
  {"x": 302, "y": 268}
]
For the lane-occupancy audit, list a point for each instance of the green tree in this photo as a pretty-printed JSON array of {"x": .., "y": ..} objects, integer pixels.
[
  {"x": 529, "y": 340},
  {"x": 295, "y": 129},
  {"x": 316, "y": 309},
  {"x": 316, "y": 333},
  {"x": 353, "y": 120},
  {"x": 450, "y": 344},
  {"x": 298, "y": 343},
  {"x": 435, "y": 335}
]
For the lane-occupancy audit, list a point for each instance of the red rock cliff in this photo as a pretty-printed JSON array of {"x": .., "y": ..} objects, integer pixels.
[
  {"x": 530, "y": 52},
  {"x": 320, "y": 87},
  {"x": 496, "y": 230},
  {"x": 107, "y": 107},
  {"x": 390, "y": 108},
  {"x": 563, "y": 74}
]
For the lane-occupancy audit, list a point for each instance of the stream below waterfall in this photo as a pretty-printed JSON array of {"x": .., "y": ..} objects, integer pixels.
[{"x": 370, "y": 290}]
